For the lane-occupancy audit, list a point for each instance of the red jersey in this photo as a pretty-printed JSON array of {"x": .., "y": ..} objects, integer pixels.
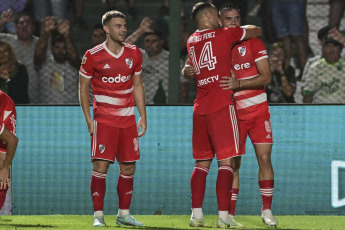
[
  {"x": 7, "y": 113},
  {"x": 209, "y": 53},
  {"x": 112, "y": 83},
  {"x": 249, "y": 103}
]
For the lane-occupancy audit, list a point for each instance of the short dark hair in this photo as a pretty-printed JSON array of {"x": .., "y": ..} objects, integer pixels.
[
  {"x": 199, "y": 7},
  {"x": 25, "y": 13},
  {"x": 228, "y": 6},
  {"x": 112, "y": 14},
  {"x": 57, "y": 37},
  {"x": 159, "y": 35},
  {"x": 97, "y": 26}
]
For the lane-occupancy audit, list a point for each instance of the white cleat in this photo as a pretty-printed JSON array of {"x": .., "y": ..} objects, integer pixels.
[
  {"x": 234, "y": 224},
  {"x": 268, "y": 218},
  {"x": 223, "y": 224},
  {"x": 99, "y": 222},
  {"x": 193, "y": 222}
]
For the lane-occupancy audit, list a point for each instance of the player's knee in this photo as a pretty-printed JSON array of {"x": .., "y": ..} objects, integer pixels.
[
  {"x": 264, "y": 159},
  {"x": 127, "y": 170}
]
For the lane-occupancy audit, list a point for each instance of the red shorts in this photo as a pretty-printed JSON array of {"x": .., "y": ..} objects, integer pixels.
[
  {"x": 10, "y": 124},
  {"x": 216, "y": 133},
  {"x": 108, "y": 142},
  {"x": 258, "y": 129}
]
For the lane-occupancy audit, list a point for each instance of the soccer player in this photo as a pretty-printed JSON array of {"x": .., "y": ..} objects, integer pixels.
[
  {"x": 214, "y": 120},
  {"x": 114, "y": 69},
  {"x": 251, "y": 67},
  {"x": 8, "y": 142}
]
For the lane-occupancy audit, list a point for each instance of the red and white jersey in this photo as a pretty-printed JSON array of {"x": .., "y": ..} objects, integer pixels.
[
  {"x": 209, "y": 53},
  {"x": 112, "y": 83},
  {"x": 249, "y": 103},
  {"x": 7, "y": 113}
]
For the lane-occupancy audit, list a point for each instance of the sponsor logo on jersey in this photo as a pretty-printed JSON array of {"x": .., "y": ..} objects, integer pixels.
[
  {"x": 101, "y": 148},
  {"x": 242, "y": 66},
  {"x": 106, "y": 66},
  {"x": 116, "y": 79},
  {"x": 136, "y": 144},
  {"x": 83, "y": 60},
  {"x": 268, "y": 126},
  {"x": 242, "y": 50},
  {"x": 208, "y": 80},
  {"x": 129, "y": 62}
]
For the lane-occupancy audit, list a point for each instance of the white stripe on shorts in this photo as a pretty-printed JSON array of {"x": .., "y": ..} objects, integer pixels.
[
  {"x": 234, "y": 127},
  {"x": 94, "y": 139}
]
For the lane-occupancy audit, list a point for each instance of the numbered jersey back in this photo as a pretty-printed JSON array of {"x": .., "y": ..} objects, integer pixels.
[{"x": 210, "y": 55}]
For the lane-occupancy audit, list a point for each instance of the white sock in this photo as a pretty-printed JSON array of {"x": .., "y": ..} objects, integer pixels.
[
  {"x": 98, "y": 214},
  {"x": 197, "y": 213},
  {"x": 224, "y": 215},
  {"x": 123, "y": 212}
]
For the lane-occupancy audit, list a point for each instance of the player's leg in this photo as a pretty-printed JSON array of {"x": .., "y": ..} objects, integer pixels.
[
  {"x": 104, "y": 143},
  {"x": 127, "y": 156},
  {"x": 203, "y": 154},
  {"x": 98, "y": 188},
  {"x": 224, "y": 133},
  {"x": 198, "y": 186},
  {"x": 266, "y": 181},
  {"x": 2, "y": 191}
]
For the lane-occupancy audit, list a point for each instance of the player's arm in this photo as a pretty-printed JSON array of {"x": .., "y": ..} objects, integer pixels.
[
  {"x": 188, "y": 70},
  {"x": 252, "y": 31},
  {"x": 139, "y": 98},
  {"x": 84, "y": 83},
  {"x": 12, "y": 142},
  {"x": 264, "y": 78}
]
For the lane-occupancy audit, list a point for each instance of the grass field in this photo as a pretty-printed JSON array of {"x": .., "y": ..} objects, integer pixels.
[{"x": 156, "y": 222}]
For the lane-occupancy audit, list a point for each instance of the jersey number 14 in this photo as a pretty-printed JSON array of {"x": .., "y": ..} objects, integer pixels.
[{"x": 207, "y": 59}]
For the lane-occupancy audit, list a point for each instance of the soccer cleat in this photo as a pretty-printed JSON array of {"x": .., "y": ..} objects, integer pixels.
[
  {"x": 196, "y": 223},
  {"x": 223, "y": 224},
  {"x": 99, "y": 221},
  {"x": 234, "y": 224},
  {"x": 128, "y": 220},
  {"x": 268, "y": 218}
]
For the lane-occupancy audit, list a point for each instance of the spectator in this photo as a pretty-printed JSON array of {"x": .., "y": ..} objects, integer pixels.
[
  {"x": 13, "y": 75},
  {"x": 78, "y": 11},
  {"x": 56, "y": 8},
  {"x": 131, "y": 10},
  {"x": 58, "y": 73},
  {"x": 288, "y": 21},
  {"x": 325, "y": 80},
  {"x": 23, "y": 44},
  {"x": 336, "y": 12},
  {"x": 8, "y": 9},
  {"x": 98, "y": 35},
  {"x": 283, "y": 84}
]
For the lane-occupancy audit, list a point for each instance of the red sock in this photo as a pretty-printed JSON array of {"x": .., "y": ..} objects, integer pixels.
[
  {"x": 266, "y": 189},
  {"x": 3, "y": 196},
  {"x": 198, "y": 185},
  {"x": 125, "y": 190},
  {"x": 223, "y": 187},
  {"x": 98, "y": 186},
  {"x": 233, "y": 201}
]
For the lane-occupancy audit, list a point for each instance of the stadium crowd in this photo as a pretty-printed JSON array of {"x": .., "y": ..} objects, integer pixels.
[{"x": 47, "y": 56}]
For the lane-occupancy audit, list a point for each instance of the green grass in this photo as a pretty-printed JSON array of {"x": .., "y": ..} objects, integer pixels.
[{"x": 156, "y": 222}]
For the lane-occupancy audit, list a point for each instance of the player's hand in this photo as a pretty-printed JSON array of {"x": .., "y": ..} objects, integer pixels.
[
  {"x": 229, "y": 83},
  {"x": 188, "y": 71},
  {"x": 142, "y": 125},
  {"x": 335, "y": 34},
  {"x": 90, "y": 128},
  {"x": 4, "y": 178}
]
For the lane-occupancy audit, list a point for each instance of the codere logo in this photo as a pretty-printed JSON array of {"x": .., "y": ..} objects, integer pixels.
[
  {"x": 336, "y": 201},
  {"x": 116, "y": 79}
]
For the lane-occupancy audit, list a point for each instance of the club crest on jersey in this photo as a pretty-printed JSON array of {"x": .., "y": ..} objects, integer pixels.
[
  {"x": 129, "y": 62},
  {"x": 101, "y": 148},
  {"x": 242, "y": 50},
  {"x": 83, "y": 60}
]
